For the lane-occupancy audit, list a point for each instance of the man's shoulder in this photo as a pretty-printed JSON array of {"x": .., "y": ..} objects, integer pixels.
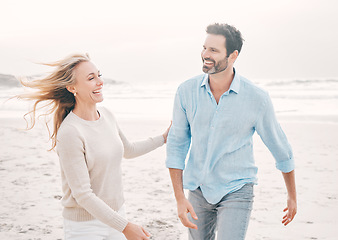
[
  {"x": 252, "y": 88},
  {"x": 192, "y": 82}
]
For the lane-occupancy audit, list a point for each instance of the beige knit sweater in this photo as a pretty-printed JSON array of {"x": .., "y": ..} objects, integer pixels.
[{"x": 90, "y": 154}]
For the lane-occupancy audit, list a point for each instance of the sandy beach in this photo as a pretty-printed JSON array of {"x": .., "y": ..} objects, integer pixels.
[
  {"x": 30, "y": 184},
  {"x": 143, "y": 51}
]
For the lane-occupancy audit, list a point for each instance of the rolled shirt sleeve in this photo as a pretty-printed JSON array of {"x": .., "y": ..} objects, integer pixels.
[
  {"x": 179, "y": 137},
  {"x": 274, "y": 138}
]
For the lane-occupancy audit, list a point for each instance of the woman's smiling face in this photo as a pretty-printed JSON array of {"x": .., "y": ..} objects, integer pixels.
[{"x": 88, "y": 83}]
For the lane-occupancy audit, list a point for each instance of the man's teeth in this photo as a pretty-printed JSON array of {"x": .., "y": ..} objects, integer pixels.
[{"x": 208, "y": 62}]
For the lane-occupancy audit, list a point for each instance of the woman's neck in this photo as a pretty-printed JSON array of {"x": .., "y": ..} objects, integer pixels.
[{"x": 86, "y": 112}]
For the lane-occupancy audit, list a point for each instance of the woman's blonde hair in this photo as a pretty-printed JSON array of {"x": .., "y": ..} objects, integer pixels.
[{"x": 52, "y": 91}]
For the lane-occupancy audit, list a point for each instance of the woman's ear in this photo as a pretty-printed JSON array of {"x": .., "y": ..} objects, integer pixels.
[{"x": 71, "y": 89}]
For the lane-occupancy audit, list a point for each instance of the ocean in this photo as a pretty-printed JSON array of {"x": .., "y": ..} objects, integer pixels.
[{"x": 293, "y": 99}]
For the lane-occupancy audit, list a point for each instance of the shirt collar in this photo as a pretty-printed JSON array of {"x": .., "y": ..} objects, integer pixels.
[
  {"x": 205, "y": 81},
  {"x": 235, "y": 84}
]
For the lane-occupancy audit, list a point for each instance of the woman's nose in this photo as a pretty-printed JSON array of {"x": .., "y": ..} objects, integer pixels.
[{"x": 100, "y": 81}]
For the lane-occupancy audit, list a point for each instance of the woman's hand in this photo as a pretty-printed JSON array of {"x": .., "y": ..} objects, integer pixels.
[
  {"x": 165, "y": 134},
  {"x": 135, "y": 232}
]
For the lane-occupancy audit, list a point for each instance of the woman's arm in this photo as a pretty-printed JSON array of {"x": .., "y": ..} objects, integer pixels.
[{"x": 135, "y": 149}]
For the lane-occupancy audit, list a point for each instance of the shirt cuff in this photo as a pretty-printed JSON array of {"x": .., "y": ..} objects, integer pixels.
[
  {"x": 172, "y": 163},
  {"x": 120, "y": 224},
  {"x": 286, "y": 166}
]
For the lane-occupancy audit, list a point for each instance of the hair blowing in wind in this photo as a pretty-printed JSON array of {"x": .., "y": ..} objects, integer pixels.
[{"x": 52, "y": 93}]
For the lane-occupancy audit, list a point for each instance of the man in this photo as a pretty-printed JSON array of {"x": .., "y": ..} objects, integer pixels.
[{"x": 215, "y": 116}]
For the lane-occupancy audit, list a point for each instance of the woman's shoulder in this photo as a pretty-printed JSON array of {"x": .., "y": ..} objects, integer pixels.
[
  {"x": 106, "y": 113},
  {"x": 68, "y": 126}
]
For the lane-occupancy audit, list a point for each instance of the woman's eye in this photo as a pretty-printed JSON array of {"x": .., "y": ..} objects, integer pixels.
[{"x": 100, "y": 75}]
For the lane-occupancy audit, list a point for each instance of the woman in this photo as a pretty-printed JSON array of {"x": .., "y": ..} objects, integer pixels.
[{"x": 90, "y": 147}]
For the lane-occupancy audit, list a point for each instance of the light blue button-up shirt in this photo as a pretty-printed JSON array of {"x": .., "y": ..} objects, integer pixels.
[{"x": 219, "y": 136}]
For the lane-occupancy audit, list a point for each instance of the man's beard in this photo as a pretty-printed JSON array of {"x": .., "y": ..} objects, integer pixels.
[{"x": 219, "y": 67}]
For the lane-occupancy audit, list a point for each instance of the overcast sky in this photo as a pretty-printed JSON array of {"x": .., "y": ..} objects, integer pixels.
[{"x": 161, "y": 40}]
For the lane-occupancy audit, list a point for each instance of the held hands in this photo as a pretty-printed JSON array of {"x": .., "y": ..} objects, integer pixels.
[
  {"x": 165, "y": 134},
  {"x": 135, "y": 232},
  {"x": 290, "y": 210},
  {"x": 184, "y": 207}
]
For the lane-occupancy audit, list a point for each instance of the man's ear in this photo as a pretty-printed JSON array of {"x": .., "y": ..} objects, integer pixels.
[{"x": 233, "y": 56}]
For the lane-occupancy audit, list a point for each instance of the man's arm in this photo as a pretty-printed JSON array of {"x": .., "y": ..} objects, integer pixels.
[
  {"x": 179, "y": 139},
  {"x": 275, "y": 139},
  {"x": 183, "y": 205},
  {"x": 291, "y": 209}
]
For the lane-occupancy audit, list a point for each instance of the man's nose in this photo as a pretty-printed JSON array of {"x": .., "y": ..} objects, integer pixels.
[{"x": 205, "y": 54}]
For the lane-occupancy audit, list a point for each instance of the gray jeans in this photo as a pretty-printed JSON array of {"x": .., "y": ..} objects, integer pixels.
[{"x": 229, "y": 217}]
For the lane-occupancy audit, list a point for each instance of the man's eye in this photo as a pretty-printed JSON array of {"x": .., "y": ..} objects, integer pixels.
[{"x": 100, "y": 75}]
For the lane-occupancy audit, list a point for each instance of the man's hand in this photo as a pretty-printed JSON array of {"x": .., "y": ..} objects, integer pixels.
[
  {"x": 183, "y": 205},
  {"x": 135, "y": 232},
  {"x": 290, "y": 210},
  {"x": 183, "y": 208}
]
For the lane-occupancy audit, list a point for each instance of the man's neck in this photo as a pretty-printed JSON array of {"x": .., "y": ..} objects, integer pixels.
[{"x": 220, "y": 82}]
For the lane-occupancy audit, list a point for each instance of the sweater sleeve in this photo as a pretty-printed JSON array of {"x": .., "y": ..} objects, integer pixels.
[
  {"x": 135, "y": 149},
  {"x": 71, "y": 152}
]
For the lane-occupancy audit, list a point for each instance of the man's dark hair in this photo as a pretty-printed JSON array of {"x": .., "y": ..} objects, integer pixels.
[{"x": 233, "y": 37}]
